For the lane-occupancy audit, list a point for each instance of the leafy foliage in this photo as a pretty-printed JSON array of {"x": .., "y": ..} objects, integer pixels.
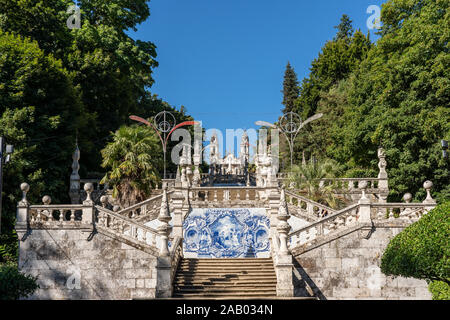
[
  {"x": 134, "y": 162},
  {"x": 306, "y": 178},
  {"x": 394, "y": 94},
  {"x": 421, "y": 250},
  {"x": 14, "y": 284},
  {"x": 440, "y": 290}
]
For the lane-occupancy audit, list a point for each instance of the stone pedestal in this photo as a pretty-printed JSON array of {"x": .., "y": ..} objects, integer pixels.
[
  {"x": 284, "y": 269},
  {"x": 163, "y": 281}
]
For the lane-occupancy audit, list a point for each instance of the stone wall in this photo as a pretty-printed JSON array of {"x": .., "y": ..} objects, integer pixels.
[
  {"x": 348, "y": 268},
  {"x": 104, "y": 268}
]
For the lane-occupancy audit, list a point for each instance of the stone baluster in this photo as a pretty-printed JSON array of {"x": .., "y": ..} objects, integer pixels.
[{"x": 46, "y": 200}]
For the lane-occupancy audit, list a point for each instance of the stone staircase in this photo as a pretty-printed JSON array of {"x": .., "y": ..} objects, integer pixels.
[{"x": 225, "y": 279}]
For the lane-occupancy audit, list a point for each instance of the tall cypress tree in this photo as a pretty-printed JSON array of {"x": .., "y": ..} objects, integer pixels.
[
  {"x": 290, "y": 89},
  {"x": 345, "y": 28}
]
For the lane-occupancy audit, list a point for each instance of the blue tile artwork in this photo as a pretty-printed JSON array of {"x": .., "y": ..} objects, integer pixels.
[{"x": 226, "y": 233}]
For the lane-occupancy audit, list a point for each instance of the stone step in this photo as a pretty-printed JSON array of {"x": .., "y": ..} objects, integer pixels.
[
  {"x": 228, "y": 295},
  {"x": 214, "y": 269},
  {"x": 225, "y": 272},
  {"x": 250, "y": 281},
  {"x": 244, "y": 288},
  {"x": 225, "y": 278}
]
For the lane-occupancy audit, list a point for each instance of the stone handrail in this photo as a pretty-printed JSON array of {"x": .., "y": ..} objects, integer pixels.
[
  {"x": 312, "y": 209},
  {"x": 335, "y": 222},
  {"x": 403, "y": 211},
  {"x": 126, "y": 227},
  {"x": 57, "y": 213},
  {"x": 149, "y": 207},
  {"x": 176, "y": 254}
]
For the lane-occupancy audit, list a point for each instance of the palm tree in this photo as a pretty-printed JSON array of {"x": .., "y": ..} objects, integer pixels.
[
  {"x": 134, "y": 160},
  {"x": 307, "y": 179}
]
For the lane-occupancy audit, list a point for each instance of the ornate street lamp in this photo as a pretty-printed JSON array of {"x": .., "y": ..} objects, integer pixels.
[
  {"x": 290, "y": 125},
  {"x": 164, "y": 123}
]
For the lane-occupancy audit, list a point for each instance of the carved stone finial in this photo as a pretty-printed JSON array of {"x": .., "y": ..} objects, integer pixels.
[
  {"x": 363, "y": 186},
  {"x": 46, "y": 200},
  {"x": 407, "y": 197},
  {"x": 427, "y": 186},
  {"x": 164, "y": 212},
  {"x": 24, "y": 187},
  {"x": 104, "y": 201},
  {"x": 88, "y": 187}
]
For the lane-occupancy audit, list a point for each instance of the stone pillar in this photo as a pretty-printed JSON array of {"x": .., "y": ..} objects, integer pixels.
[
  {"x": 429, "y": 201},
  {"x": 364, "y": 205},
  {"x": 23, "y": 207},
  {"x": 163, "y": 280},
  {"x": 284, "y": 266},
  {"x": 88, "y": 212},
  {"x": 274, "y": 204},
  {"x": 163, "y": 266},
  {"x": 74, "y": 191}
]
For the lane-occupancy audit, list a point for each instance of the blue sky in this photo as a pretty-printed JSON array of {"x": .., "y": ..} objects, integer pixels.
[{"x": 225, "y": 60}]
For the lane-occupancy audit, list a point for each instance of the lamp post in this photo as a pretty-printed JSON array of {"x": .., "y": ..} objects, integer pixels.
[
  {"x": 4, "y": 150},
  {"x": 166, "y": 124},
  {"x": 290, "y": 125}
]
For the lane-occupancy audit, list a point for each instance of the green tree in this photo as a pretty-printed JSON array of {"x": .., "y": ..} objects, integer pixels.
[
  {"x": 40, "y": 113},
  {"x": 134, "y": 161},
  {"x": 345, "y": 28},
  {"x": 290, "y": 89},
  {"x": 399, "y": 98},
  {"x": 421, "y": 250},
  {"x": 111, "y": 70}
]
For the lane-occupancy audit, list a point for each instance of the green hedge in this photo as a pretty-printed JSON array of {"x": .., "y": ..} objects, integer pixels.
[
  {"x": 422, "y": 251},
  {"x": 14, "y": 284}
]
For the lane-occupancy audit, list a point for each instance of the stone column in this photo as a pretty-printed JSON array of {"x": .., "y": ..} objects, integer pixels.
[
  {"x": 429, "y": 201},
  {"x": 284, "y": 265},
  {"x": 364, "y": 205},
  {"x": 23, "y": 207},
  {"x": 163, "y": 266}
]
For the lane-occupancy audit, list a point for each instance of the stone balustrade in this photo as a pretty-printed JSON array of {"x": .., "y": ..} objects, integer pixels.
[
  {"x": 127, "y": 228},
  {"x": 56, "y": 215},
  {"x": 176, "y": 254},
  {"x": 148, "y": 209},
  {"x": 409, "y": 212},
  {"x": 228, "y": 196},
  {"x": 306, "y": 208},
  {"x": 337, "y": 221}
]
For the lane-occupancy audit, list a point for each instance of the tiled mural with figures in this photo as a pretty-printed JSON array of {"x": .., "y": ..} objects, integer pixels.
[{"x": 226, "y": 233}]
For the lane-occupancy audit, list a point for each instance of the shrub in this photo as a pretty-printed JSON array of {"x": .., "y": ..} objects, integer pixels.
[
  {"x": 14, "y": 284},
  {"x": 422, "y": 251}
]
